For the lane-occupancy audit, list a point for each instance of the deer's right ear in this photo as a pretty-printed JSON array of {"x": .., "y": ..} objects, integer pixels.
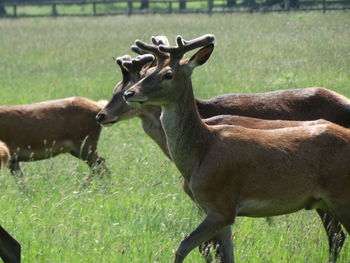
[{"x": 201, "y": 56}]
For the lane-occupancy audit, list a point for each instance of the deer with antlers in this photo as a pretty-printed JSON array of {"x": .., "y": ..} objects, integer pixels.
[
  {"x": 10, "y": 249},
  {"x": 235, "y": 171},
  {"x": 45, "y": 129},
  {"x": 134, "y": 69}
]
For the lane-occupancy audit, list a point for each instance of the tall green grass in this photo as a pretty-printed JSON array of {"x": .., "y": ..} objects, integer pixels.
[{"x": 141, "y": 213}]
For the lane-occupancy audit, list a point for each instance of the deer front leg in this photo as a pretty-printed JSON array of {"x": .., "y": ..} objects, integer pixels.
[
  {"x": 97, "y": 165},
  {"x": 17, "y": 173},
  {"x": 211, "y": 225},
  {"x": 204, "y": 249},
  {"x": 15, "y": 169},
  {"x": 89, "y": 155},
  {"x": 224, "y": 246}
]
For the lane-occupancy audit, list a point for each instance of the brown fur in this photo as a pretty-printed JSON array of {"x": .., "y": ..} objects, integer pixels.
[
  {"x": 318, "y": 102},
  {"x": 45, "y": 129},
  {"x": 296, "y": 104},
  {"x": 255, "y": 123},
  {"x": 233, "y": 170},
  {"x": 4, "y": 155},
  {"x": 117, "y": 110}
]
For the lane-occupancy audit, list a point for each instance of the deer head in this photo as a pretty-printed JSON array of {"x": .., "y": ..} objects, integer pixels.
[
  {"x": 132, "y": 70},
  {"x": 172, "y": 71}
]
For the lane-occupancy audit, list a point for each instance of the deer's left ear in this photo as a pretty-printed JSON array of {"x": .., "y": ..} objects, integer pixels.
[{"x": 201, "y": 56}]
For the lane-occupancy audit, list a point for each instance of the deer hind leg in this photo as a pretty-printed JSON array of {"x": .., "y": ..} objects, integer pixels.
[
  {"x": 335, "y": 234},
  {"x": 211, "y": 226},
  {"x": 10, "y": 249}
]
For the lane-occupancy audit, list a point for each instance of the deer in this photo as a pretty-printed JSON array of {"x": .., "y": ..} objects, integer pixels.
[
  {"x": 276, "y": 172},
  {"x": 10, "y": 249},
  {"x": 303, "y": 104},
  {"x": 45, "y": 129},
  {"x": 134, "y": 69}
]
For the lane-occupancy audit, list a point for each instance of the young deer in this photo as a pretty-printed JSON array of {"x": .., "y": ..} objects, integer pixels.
[
  {"x": 45, "y": 129},
  {"x": 10, "y": 249},
  {"x": 134, "y": 69},
  {"x": 275, "y": 172}
]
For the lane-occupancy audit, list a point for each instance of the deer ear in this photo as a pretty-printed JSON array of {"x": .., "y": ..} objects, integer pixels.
[{"x": 201, "y": 56}]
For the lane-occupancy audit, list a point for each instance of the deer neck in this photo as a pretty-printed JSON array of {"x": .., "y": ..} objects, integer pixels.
[
  {"x": 153, "y": 128},
  {"x": 186, "y": 134}
]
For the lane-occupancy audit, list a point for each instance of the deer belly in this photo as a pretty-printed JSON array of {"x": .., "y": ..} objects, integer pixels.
[
  {"x": 264, "y": 208},
  {"x": 30, "y": 153}
]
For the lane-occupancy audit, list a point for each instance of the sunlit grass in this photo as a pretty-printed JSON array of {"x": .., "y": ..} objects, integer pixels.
[{"x": 141, "y": 213}]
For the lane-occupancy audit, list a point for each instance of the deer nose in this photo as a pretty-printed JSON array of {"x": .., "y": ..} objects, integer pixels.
[
  {"x": 128, "y": 94},
  {"x": 100, "y": 117}
]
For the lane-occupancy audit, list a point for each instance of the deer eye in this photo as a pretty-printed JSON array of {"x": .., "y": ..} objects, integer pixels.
[{"x": 168, "y": 75}]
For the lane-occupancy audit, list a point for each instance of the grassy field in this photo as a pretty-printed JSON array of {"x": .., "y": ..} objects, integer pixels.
[{"x": 141, "y": 213}]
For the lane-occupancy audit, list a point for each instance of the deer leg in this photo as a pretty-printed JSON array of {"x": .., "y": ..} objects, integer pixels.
[
  {"x": 15, "y": 169},
  {"x": 211, "y": 225},
  {"x": 89, "y": 155},
  {"x": 340, "y": 209},
  {"x": 335, "y": 234},
  {"x": 224, "y": 246},
  {"x": 344, "y": 218},
  {"x": 10, "y": 249},
  {"x": 17, "y": 173},
  {"x": 204, "y": 249}
]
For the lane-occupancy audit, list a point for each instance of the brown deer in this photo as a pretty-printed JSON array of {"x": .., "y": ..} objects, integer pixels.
[
  {"x": 235, "y": 171},
  {"x": 134, "y": 69},
  {"x": 45, "y": 129},
  {"x": 295, "y": 104},
  {"x": 10, "y": 249}
]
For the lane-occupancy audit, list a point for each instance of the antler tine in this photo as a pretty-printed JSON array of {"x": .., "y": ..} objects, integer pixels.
[
  {"x": 137, "y": 50},
  {"x": 184, "y": 46},
  {"x": 156, "y": 40},
  {"x": 120, "y": 60},
  {"x": 135, "y": 65},
  {"x": 160, "y": 40},
  {"x": 151, "y": 49}
]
